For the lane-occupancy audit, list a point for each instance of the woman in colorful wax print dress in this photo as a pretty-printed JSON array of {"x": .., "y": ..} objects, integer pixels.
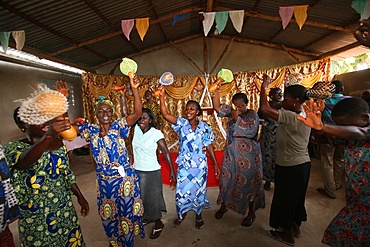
[
  {"x": 145, "y": 143},
  {"x": 119, "y": 202},
  {"x": 43, "y": 181},
  {"x": 351, "y": 227},
  {"x": 195, "y": 138},
  {"x": 241, "y": 176},
  {"x": 268, "y": 138},
  {"x": 293, "y": 164},
  {"x": 8, "y": 204}
]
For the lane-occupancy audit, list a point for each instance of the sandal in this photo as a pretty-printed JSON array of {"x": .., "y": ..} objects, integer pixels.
[
  {"x": 177, "y": 222},
  {"x": 248, "y": 221},
  {"x": 278, "y": 237},
  {"x": 199, "y": 224},
  {"x": 146, "y": 222},
  {"x": 157, "y": 232},
  {"x": 219, "y": 214}
]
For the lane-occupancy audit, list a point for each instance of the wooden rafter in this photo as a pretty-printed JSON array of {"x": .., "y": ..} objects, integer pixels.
[
  {"x": 340, "y": 50},
  {"x": 153, "y": 48},
  {"x": 114, "y": 34},
  {"x": 156, "y": 16},
  {"x": 252, "y": 14},
  {"x": 271, "y": 45},
  {"x": 187, "y": 57},
  {"x": 106, "y": 20},
  {"x": 222, "y": 54},
  {"x": 46, "y": 28}
]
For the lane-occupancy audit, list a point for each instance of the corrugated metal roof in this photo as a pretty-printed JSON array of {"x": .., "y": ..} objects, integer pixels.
[{"x": 87, "y": 33}]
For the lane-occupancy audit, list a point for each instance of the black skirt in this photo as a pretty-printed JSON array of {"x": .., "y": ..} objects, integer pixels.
[{"x": 288, "y": 202}]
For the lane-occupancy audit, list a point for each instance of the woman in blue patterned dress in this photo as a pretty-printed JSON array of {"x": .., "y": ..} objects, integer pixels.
[
  {"x": 351, "y": 226},
  {"x": 195, "y": 137},
  {"x": 119, "y": 203},
  {"x": 241, "y": 178},
  {"x": 8, "y": 203},
  {"x": 268, "y": 138},
  {"x": 43, "y": 182}
]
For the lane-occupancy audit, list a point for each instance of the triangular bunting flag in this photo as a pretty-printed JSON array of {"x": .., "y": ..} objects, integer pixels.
[
  {"x": 127, "y": 26},
  {"x": 362, "y": 7},
  {"x": 221, "y": 20},
  {"x": 209, "y": 18},
  {"x": 142, "y": 25},
  {"x": 179, "y": 17},
  {"x": 4, "y": 39},
  {"x": 237, "y": 18},
  {"x": 286, "y": 14},
  {"x": 300, "y": 15},
  {"x": 20, "y": 38}
]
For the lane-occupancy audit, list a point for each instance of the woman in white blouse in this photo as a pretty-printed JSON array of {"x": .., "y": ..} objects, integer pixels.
[{"x": 145, "y": 143}]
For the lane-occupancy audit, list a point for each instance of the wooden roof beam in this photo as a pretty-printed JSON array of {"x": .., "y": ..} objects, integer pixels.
[
  {"x": 339, "y": 50},
  {"x": 153, "y": 48},
  {"x": 46, "y": 28},
  {"x": 106, "y": 20},
  {"x": 270, "y": 45}
]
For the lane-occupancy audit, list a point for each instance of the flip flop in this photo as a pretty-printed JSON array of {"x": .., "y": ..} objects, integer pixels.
[
  {"x": 276, "y": 235},
  {"x": 157, "y": 232},
  {"x": 199, "y": 224},
  {"x": 146, "y": 222},
  {"x": 248, "y": 221},
  {"x": 177, "y": 222},
  {"x": 219, "y": 214}
]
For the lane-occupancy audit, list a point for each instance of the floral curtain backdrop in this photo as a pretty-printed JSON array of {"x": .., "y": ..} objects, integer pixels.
[{"x": 186, "y": 87}]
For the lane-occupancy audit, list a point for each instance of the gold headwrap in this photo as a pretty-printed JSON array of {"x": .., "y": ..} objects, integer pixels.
[{"x": 103, "y": 100}]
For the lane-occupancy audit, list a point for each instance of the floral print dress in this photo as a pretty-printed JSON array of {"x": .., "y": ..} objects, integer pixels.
[
  {"x": 119, "y": 203},
  {"x": 268, "y": 148},
  {"x": 241, "y": 174},
  {"x": 351, "y": 227},
  {"x": 47, "y": 215}
]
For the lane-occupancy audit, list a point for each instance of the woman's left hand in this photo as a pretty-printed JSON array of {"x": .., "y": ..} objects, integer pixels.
[{"x": 84, "y": 206}]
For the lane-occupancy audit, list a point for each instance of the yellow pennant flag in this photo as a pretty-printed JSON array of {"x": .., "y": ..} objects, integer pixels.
[
  {"x": 142, "y": 25},
  {"x": 300, "y": 15}
]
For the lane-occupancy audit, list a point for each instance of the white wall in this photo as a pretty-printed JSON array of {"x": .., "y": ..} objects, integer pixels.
[{"x": 18, "y": 82}]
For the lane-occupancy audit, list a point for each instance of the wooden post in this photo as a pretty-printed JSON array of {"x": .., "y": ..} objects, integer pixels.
[{"x": 222, "y": 55}]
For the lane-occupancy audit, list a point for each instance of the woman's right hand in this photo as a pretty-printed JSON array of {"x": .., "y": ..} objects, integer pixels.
[
  {"x": 58, "y": 125},
  {"x": 266, "y": 81},
  {"x": 134, "y": 80}
]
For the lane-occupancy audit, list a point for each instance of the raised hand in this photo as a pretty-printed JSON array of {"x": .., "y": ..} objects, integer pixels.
[
  {"x": 62, "y": 87},
  {"x": 362, "y": 33},
  {"x": 266, "y": 81},
  {"x": 313, "y": 115},
  {"x": 134, "y": 81}
]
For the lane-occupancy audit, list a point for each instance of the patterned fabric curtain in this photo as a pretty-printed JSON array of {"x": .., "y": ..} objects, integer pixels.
[{"x": 188, "y": 87}]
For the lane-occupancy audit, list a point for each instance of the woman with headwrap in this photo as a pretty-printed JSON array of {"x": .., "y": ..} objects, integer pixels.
[
  {"x": 119, "y": 202},
  {"x": 40, "y": 173}
]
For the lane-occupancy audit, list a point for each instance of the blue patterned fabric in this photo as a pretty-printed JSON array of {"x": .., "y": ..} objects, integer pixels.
[
  {"x": 8, "y": 203},
  {"x": 351, "y": 227},
  {"x": 241, "y": 175},
  {"x": 191, "y": 191},
  {"x": 119, "y": 203}
]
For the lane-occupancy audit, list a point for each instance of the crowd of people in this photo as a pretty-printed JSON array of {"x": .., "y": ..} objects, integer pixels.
[{"x": 37, "y": 182}]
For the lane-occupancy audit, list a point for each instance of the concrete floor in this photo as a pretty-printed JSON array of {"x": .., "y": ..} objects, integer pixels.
[{"x": 217, "y": 233}]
